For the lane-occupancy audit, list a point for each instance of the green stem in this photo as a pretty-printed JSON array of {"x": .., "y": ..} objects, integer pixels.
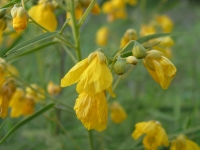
[
  {"x": 90, "y": 139},
  {"x": 86, "y": 13},
  {"x": 66, "y": 41},
  {"x": 69, "y": 53},
  {"x": 75, "y": 30}
]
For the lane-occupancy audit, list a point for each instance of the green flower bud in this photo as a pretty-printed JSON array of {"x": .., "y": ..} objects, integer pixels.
[
  {"x": 131, "y": 60},
  {"x": 120, "y": 66},
  {"x": 139, "y": 51},
  {"x": 2, "y": 13}
]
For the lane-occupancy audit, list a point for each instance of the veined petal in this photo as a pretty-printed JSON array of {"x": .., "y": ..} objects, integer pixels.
[
  {"x": 92, "y": 110},
  {"x": 96, "y": 78},
  {"x": 74, "y": 73}
]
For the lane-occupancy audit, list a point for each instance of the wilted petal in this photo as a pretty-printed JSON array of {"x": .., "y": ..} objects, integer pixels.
[{"x": 92, "y": 110}]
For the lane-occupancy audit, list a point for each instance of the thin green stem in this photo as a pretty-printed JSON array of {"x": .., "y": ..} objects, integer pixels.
[
  {"x": 69, "y": 53},
  {"x": 83, "y": 18},
  {"x": 90, "y": 139},
  {"x": 22, "y": 2},
  {"x": 75, "y": 29},
  {"x": 65, "y": 40},
  {"x": 64, "y": 25}
]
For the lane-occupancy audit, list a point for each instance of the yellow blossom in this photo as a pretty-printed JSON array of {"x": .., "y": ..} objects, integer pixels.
[
  {"x": 165, "y": 23},
  {"x": 43, "y": 14},
  {"x": 17, "y": 103},
  {"x": 155, "y": 135},
  {"x": 92, "y": 110},
  {"x": 147, "y": 30},
  {"x": 118, "y": 114},
  {"x": 115, "y": 9},
  {"x": 53, "y": 89},
  {"x": 36, "y": 94},
  {"x": 129, "y": 35},
  {"x": 29, "y": 106},
  {"x": 182, "y": 143},
  {"x": 2, "y": 71},
  {"x": 20, "y": 18},
  {"x": 102, "y": 36},
  {"x": 160, "y": 68},
  {"x": 92, "y": 74},
  {"x": 6, "y": 93}
]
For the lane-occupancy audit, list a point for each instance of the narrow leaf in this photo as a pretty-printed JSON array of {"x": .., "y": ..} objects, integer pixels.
[
  {"x": 154, "y": 36},
  {"x": 15, "y": 57},
  {"x": 31, "y": 42},
  {"x": 10, "y": 3},
  {"x": 24, "y": 121}
]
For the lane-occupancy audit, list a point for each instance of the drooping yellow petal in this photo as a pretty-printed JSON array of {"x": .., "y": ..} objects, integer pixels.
[
  {"x": 96, "y": 78},
  {"x": 92, "y": 110},
  {"x": 74, "y": 73},
  {"x": 160, "y": 68}
]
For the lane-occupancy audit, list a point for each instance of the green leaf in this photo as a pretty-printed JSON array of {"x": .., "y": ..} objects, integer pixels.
[
  {"x": 31, "y": 42},
  {"x": 154, "y": 36},
  {"x": 39, "y": 47},
  {"x": 11, "y": 3},
  {"x": 26, "y": 120}
]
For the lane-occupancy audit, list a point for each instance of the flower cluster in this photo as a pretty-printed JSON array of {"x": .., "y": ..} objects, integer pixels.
[
  {"x": 155, "y": 136},
  {"x": 94, "y": 78}
]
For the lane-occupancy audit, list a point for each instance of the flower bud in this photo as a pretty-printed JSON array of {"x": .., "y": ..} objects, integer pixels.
[
  {"x": 139, "y": 51},
  {"x": 119, "y": 66},
  {"x": 131, "y": 60},
  {"x": 20, "y": 18},
  {"x": 2, "y": 13},
  {"x": 101, "y": 57},
  {"x": 53, "y": 89}
]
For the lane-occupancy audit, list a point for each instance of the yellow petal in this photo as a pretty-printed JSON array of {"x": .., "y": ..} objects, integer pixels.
[
  {"x": 92, "y": 110},
  {"x": 118, "y": 113},
  {"x": 44, "y": 15},
  {"x": 74, "y": 73},
  {"x": 96, "y": 78}
]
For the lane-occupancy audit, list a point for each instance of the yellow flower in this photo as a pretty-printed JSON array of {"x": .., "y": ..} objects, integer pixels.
[
  {"x": 92, "y": 110},
  {"x": 115, "y": 10},
  {"x": 17, "y": 103},
  {"x": 155, "y": 135},
  {"x": 36, "y": 96},
  {"x": 182, "y": 143},
  {"x": 118, "y": 114},
  {"x": 29, "y": 106},
  {"x": 147, "y": 30},
  {"x": 6, "y": 93},
  {"x": 160, "y": 68},
  {"x": 102, "y": 36},
  {"x": 92, "y": 74},
  {"x": 129, "y": 35},
  {"x": 53, "y": 89},
  {"x": 20, "y": 18},
  {"x": 43, "y": 13},
  {"x": 165, "y": 22}
]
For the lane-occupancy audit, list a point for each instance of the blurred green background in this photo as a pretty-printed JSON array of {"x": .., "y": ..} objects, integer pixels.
[{"x": 177, "y": 108}]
